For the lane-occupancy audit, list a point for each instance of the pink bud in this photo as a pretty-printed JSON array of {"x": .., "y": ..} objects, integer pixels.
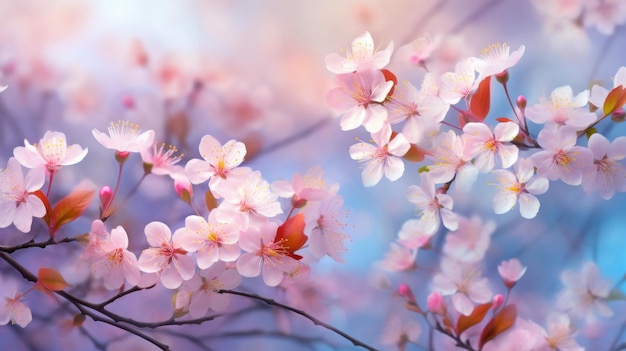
[
  {"x": 498, "y": 300},
  {"x": 521, "y": 102},
  {"x": 405, "y": 291},
  {"x": 618, "y": 115},
  {"x": 121, "y": 156},
  {"x": 436, "y": 303},
  {"x": 106, "y": 195},
  {"x": 128, "y": 102},
  {"x": 183, "y": 189}
]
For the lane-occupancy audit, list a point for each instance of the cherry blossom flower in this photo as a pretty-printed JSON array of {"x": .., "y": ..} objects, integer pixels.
[
  {"x": 264, "y": 255},
  {"x": 451, "y": 161},
  {"x": 125, "y": 137},
  {"x": 497, "y": 59},
  {"x": 511, "y": 271},
  {"x": 599, "y": 94},
  {"x": 420, "y": 50},
  {"x": 218, "y": 161},
  {"x": 412, "y": 235},
  {"x": 12, "y": 309},
  {"x": 585, "y": 293},
  {"x": 416, "y": 109},
  {"x": 560, "y": 9},
  {"x": 213, "y": 241},
  {"x": 606, "y": 175},
  {"x": 459, "y": 84},
  {"x": 304, "y": 188},
  {"x": 18, "y": 204},
  {"x": 432, "y": 205},
  {"x": 560, "y": 157},
  {"x": 326, "y": 222},
  {"x": 560, "y": 334},
  {"x": 399, "y": 258},
  {"x": 166, "y": 256},
  {"x": 363, "y": 56},
  {"x": 523, "y": 336},
  {"x": 114, "y": 263},
  {"x": 385, "y": 158},
  {"x": 464, "y": 283},
  {"x": 52, "y": 152},
  {"x": 470, "y": 241},
  {"x": 563, "y": 109},
  {"x": 400, "y": 330},
  {"x": 359, "y": 97},
  {"x": 160, "y": 161},
  {"x": 520, "y": 186},
  {"x": 203, "y": 290},
  {"x": 605, "y": 15},
  {"x": 482, "y": 145}
]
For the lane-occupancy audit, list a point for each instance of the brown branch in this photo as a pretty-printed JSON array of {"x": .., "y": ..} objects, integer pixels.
[{"x": 32, "y": 243}]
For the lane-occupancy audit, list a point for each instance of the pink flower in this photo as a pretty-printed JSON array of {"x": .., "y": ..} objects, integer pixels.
[
  {"x": 521, "y": 185},
  {"x": 482, "y": 145},
  {"x": 125, "y": 137},
  {"x": 264, "y": 255},
  {"x": 470, "y": 241},
  {"x": 204, "y": 288},
  {"x": 18, "y": 204},
  {"x": 362, "y": 57},
  {"x": 432, "y": 206},
  {"x": 606, "y": 175},
  {"x": 412, "y": 235},
  {"x": 160, "y": 161},
  {"x": 399, "y": 258},
  {"x": 560, "y": 157},
  {"x": 451, "y": 161},
  {"x": 213, "y": 241},
  {"x": 560, "y": 335},
  {"x": 218, "y": 161},
  {"x": 420, "y": 50},
  {"x": 304, "y": 188},
  {"x": 166, "y": 256},
  {"x": 114, "y": 263},
  {"x": 12, "y": 309},
  {"x": 496, "y": 59},
  {"x": 51, "y": 152},
  {"x": 459, "y": 84},
  {"x": 599, "y": 94},
  {"x": 359, "y": 97},
  {"x": 326, "y": 220},
  {"x": 563, "y": 109},
  {"x": 385, "y": 158},
  {"x": 464, "y": 283},
  {"x": 605, "y": 15},
  {"x": 585, "y": 293},
  {"x": 511, "y": 271},
  {"x": 400, "y": 330},
  {"x": 436, "y": 304}
]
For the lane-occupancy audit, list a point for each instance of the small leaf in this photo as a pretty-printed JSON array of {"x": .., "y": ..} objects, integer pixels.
[
  {"x": 51, "y": 279},
  {"x": 616, "y": 295},
  {"x": 477, "y": 315},
  {"x": 503, "y": 119},
  {"x": 291, "y": 233},
  {"x": 498, "y": 324},
  {"x": 589, "y": 132},
  {"x": 70, "y": 207},
  {"x": 46, "y": 203},
  {"x": 447, "y": 323},
  {"x": 389, "y": 76},
  {"x": 415, "y": 154},
  {"x": 210, "y": 200},
  {"x": 616, "y": 99},
  {"x": 481, "y": 100}
]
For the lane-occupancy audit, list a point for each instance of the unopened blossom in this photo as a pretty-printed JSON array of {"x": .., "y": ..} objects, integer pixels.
[
  {"x": 520, "y": 186},
  {"x": 327, "y": 222},
  {"x": 560, "y": 334},
  {"x": 511, "y": 271},
  {"x": 363, "y": 56},
  {"x": 114, "y": 263},
  {"x": 125, "y": 137},
  {"x": 400, "y": 330},
  {"x": 470, "y": 241},
  {"x": 359, "y": 97},
  {"x": 599, "y": 94},
  {"x": 459, "y": 84},
  {"x": 605, "y": 15},
  {"x": 497, "y": 59},
  {"x": 384, "y": 158},
  {"x": 563, "y": 109},
  {"x": 213, "y": 240},
  {"x": 607, "y": 174},
  {"x": 204, "y": 288},
  {"x": 218, "y": 160},
  {"x": 263, "y": 255},
  {"x": 18, "y": 204},
  {"x": 464, "y": 283},
  {"x": 162, "y": 160},
  {"x": 52, "y": 152},
  {"x": 585, "y": 293},
  {"x": 416, "y": 109},
  {"x": 435, "y": 303},
  {"x": 12, "y": 309},
  {"x": 560, "y": 157},
  {"x": 451, "y": 161},
  {"x": 166, "y": 256},
  {"x": 432, "y": 206},
  {"x": 483, "y": 146}
]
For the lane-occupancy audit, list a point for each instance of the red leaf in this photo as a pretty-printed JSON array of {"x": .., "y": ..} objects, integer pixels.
[
  {"x": 503, "y": 119},
  {"x": 498, "y": 324},
  {"x": 291, "y": 235},
  {"x": 415, "y": 154},
  {"x": 477, "y": 315},
  {"x": 46, "y": 203},
  {"x": 615, "y": 100},
  {"x": 70, "y": 207},
  {"x": 481, "y": 100},
  {"x": 49, "y": 280},
  {"x": 389, "y": 76},
  {"x": 210, "y": 200}
]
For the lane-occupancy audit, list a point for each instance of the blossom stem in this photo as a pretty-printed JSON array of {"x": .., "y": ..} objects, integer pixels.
[
  {"x": 108, "y": 208},
  {"x": 50, "y": 179}
]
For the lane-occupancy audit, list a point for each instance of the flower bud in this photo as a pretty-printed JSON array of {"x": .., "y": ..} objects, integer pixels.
[
  {"x": 503, "y": 77},
  {"x": 498, "y": 300},
  {"x": 618, "y": 116},
  {"x": 521, "y": 102},
  {"x": 436, "y": 303},
  {"x": 106, "y": 195},
  {"x": 183, "y": 189}
]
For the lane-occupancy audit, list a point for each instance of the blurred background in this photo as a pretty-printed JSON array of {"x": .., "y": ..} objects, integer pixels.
[{"x": 254, "y": 71}]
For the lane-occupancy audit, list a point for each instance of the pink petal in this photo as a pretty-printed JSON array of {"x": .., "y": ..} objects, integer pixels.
[{"x": 157, "y": 233}]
